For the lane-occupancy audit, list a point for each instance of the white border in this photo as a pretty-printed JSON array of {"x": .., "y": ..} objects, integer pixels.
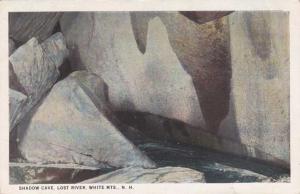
[{"x": 293, "y": 6}]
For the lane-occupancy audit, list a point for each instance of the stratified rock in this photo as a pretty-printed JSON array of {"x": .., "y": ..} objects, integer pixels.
[
  {"x": 29, "y": 173},
  {"x": 154, "y": 82},
  {"x": 24, "y": 26},
  {"x": 159, "y": 175},
  {"x": 71, "y": 126},
  {"x": 16, "y": 104},
  {"x": 259, "y": 102},
  {"x": 34, "y": 69},
  {"x": 203, "y": 51}
]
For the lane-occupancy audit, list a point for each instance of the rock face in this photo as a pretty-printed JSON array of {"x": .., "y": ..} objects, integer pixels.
[
  {"x": 203, "y": 50},
  {"x": 192, "y": 69},
  {"x": 71, "y": 126},
  {"x": 24, "y": 26},
  {"x": 259, "y": 102},
  {"x": 17, "y": 101},
  {"x": 34, "y": 69},
  {"x": 11, "y": 46},
  {"x": 27, "y": 173},
  {"x": 159, "y": 175},
  {"x": 154, "y": 82}
]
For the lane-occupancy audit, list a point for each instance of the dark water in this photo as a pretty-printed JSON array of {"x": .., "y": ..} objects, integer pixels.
[{"x": 217, "y": 167}]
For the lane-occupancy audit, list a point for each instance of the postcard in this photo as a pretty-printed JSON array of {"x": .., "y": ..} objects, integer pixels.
[{"x": 149, "y": 97}]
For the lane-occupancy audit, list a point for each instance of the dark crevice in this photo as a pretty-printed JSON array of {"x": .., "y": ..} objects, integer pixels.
[
  {"x": 65, "y": 69},
  {"x": 201, "y": 17}
]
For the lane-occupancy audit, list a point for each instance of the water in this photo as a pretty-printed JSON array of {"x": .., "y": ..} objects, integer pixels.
[{"x": 217, "y": 167}]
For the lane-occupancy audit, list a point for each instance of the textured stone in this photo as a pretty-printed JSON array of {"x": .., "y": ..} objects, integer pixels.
[
  {"x": 17, "y": 101},
  {"x": 11, "y": 46},
  {"x": 34, "y": 68},
  {"x": 259, "y": 102},
  {"x": 71, "y": 126},
  {"x": 154, "y": 82},
  {"x": 29, "y": 173},
  {"x": 24, "y": 26},
  {"x": 159, "y": 175},
  {"x": 203, "y": 51}
]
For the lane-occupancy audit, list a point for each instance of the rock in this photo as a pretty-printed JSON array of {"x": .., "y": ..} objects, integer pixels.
[
  {"x": 11, "y": 46},
  {"x": 71, "y": 127},
  {"x": 203, "y": 51},
  {"x": 29, "y": 173},
  {"x": 154, "y": 82},
  {"x": 259, "y": 101},
  {"x": 173, "y": 131},
  {"x": 204, "y": 16},
  {"x": 24, "y": 26},
  {"x": 17, "y": 101},
  {"x": 34, "y": 69},
  {"x": 159, "y": 175}
]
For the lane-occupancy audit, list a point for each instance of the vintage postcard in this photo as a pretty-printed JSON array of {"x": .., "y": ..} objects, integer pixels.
[{"x": 149, "y": 97}]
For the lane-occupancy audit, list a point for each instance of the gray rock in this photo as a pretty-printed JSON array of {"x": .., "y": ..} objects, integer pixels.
[
  {"x": 203, "y": 51},
  {"x": 34, "y": 69},
  {"x": 159, "y": 175},
  {"x": 24, "y": 26},
  {"x": 259, "y": 102},
  {"x": 17, "y": 101},
  {"x": 11, "y": 46},
  {"x": 154, "y": 82},
  {"x": 71, "y": 126},
  {"x": 29, "y": 173}
]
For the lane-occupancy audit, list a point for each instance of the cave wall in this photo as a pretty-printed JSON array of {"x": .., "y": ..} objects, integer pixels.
[{"x": 259, "y": 99}]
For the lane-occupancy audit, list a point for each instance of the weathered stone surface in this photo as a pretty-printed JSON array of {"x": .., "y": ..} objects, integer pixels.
[
  {"x": 259, "y": 107},
  {"x": 71, "y": 126},
  {"x": 34, "y": 69},
  {"x": 17, "y": 101},
  {"x": 159, "y": 175},
  {"x": 29, "y": 173},
  {"x": 11, "y": 46},
  {"x": 24, "y": 26},
  {"x": 154, "y": 82},
  {"x": 203, "y": 50}
]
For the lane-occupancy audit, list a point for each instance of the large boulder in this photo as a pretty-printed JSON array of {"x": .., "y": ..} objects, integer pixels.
[
  {"x": 159, "y": 175},
  {"x": 259, "y": 101},
  {"x": 153, "y": 82},
  {"x": 72, "y": 125},
  {"x": 24, "y": 26},
  {"x": 34, "y": 69}
]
